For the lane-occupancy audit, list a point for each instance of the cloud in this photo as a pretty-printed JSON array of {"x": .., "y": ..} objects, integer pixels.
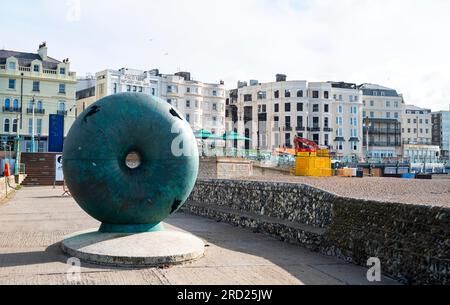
[{"x": 400, "y": 44}]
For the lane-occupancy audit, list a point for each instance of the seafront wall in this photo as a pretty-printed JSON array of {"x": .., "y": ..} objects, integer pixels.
[{"x": 411, "y": 241}]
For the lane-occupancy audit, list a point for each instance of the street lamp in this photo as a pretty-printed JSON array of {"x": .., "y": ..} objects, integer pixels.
[
  {"x": 32, "y": 125},
  {"x": 368, "y": 125},
  {"x": 17, "y": 146}
]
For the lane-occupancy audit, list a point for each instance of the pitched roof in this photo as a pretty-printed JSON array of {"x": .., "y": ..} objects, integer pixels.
[{"x": 25, "y": 59}]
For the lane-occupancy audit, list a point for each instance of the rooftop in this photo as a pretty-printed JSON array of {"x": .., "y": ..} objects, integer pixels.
[{"x": 25, "y": 59}]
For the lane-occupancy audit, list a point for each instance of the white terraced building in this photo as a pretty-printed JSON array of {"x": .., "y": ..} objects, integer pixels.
[
  {"x": 272, "y": 114},
  {"x": 202, "y": 104},
  {"x": 34, "y": 83}
]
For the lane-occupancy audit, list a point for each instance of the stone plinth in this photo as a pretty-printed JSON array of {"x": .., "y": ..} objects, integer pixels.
[{"x": 134, "y": 250}]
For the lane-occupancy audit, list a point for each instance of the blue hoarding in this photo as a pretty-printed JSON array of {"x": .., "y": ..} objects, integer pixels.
[{"x": 56, "y": 133}]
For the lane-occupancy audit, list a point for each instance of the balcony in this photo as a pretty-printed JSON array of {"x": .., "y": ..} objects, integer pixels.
[
  {"x": 36, "y": 111},
  {"x": 383, "y": 144},
  {"x": 314, "y": 129},
  {"x": 287, "y": 128},
  {"x": 382, "y": 131},
  {"x": 62, "y": 112},
  {"x": 12, "y": 109},
  {"x": 328, "y": 129},
  {"x": 300, "y": 129}
]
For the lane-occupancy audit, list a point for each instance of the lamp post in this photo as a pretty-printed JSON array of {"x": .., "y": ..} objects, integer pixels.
[
  {"x": 17, "y": 147},
  {"x": 32, "y": 125},
  {"x": 368, "y": 125}
]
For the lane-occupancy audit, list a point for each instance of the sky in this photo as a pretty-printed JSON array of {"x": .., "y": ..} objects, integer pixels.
[{"x": 402, "y": 44}]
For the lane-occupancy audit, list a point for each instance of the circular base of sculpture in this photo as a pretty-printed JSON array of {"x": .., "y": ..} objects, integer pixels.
[
  {"x": 131, "y": 229},
  {"x": 134, "y": 250}
]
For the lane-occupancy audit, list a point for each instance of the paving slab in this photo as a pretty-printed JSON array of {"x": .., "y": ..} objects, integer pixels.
[{"x": 35, "y": 221}]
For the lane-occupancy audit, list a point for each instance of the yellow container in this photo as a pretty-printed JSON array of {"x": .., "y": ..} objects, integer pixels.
[{"x": 313, "y": 166}]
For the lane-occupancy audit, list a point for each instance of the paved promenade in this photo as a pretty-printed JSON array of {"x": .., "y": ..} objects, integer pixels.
[{"x": 35, "y": 220}]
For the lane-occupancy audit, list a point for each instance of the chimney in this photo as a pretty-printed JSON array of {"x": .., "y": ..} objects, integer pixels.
[
  {"x": 43, "y": 51},
  {"x": 281, "y": 77}
]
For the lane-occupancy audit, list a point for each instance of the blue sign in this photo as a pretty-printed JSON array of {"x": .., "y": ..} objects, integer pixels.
[{"x": 56, "y": 133}]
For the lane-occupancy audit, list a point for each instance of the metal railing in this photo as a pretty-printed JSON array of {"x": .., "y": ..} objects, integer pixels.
[
  {"x": 12, "y": 109},
  {"x": 36, "y": 111}
]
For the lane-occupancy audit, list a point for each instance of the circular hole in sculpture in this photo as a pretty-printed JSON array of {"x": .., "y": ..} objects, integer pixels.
[{"x": 133, "y": 160}]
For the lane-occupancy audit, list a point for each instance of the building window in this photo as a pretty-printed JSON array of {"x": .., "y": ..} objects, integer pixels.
[
  {"x": 340, "y": 109},
  {"x": 396, "y": 115},
  {"x": 12, "y": 66},
  {"x": 276, "y": 122},
  {"x": 315, "y": 94},
  {"x": 300, "y": 93},
  {"x": 6, "y": 125},
  {"x": 288, "y": 122},
  {"x": 287, "y": 107},
  {"x": 300, "y": 107},
  {"x": 326, "y": 108},
  {"x": 388, "y": 115},
  {"x": 372, "y": 114},
  {"x": 62, "y": 106},
  {"x": 214, "y": 107},
  {"x": 299, "y": 121},
  {"x": 36, "y": 86},
  {"x": 15, "y": 125},
  {"x": 36, "y": 68},
  {"x": 62, "y": 88},
  {"x": 277, "y": 108},
  {"x": 287, "y": 93},
  {"x": 262, "y": 95},
  {"x": 128, "y": 88},
  {"x": 196, "y": 104},
  {"x": 388, "y": 104},
  {"x": 288, "y": 140},
  {"x": 39, "y": 105},
  {"x": 188, "y": 90},
  {"x": 316, "y": 138},
  {"x": 153, "y": 91},
  {"x": 141, "y": 89},
  {"x": 372, "y": 103},
  {"x": 16, "y": 105},
  {"x": 188, "y": 118},
  {"x": 316, "y": 108},
  {"x": 134, "y": 88},
  {"x": 396, "y": 104},
  {"x": 214, "y": 93},
  {"x": 62, "y": 71},
  {"x": 188, "y": 104},
  {"x": 30, "y": 126},
  {"x": 7, "y": 103},
  {"x": 12, "y": 84},
  {"x": 350, "y": 98},
  {"x": 39, "y": 126},
  {"x": 326, "y": 122},
  {"x": 276, "y": 94},
  {"x": 326, "y": 95},
  {"x": 248, "y": 98}
]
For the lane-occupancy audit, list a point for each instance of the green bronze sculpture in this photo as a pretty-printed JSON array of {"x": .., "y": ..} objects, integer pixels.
[{"x": 130, "y": 198}]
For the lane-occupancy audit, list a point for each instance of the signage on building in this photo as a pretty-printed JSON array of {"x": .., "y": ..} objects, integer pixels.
[
  {"x": 56, "y": 133},
  {"x": 59, "y": 174}
]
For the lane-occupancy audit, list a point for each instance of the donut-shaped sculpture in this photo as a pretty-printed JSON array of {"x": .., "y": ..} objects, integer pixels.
[{"x": 123, "y": 198}]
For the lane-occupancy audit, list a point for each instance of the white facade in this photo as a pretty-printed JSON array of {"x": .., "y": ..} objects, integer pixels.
[
  {"x": 28, "y": 76},
  {"x": 126, "y": 80},
  {"x": 202, "y": 104},
  {"x": 272, "y": 114},
  {"x": 417, "y": 126},
  {"x": 384, "y": 109}
]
